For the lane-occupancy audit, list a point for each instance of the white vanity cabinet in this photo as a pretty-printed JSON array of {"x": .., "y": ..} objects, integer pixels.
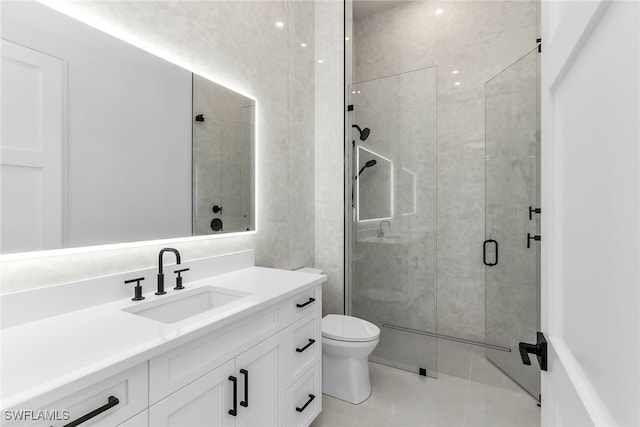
[
  {"x": 260, "y": 366},
  {"x": 257, "y": 387},
  {"x": 245, "y": 391},
  {"x": 140, "y": 420},
  {"x": 107, "y": 403},
  {"x": 205, "y": 402}
]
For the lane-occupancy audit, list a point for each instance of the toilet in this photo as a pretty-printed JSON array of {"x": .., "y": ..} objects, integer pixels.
[{"x": 347, "y": 343}]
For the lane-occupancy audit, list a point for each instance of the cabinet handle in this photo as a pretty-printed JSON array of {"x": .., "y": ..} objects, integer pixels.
[
  {"x": 234, "y": 411},
  {"x": 306, "y": 303},
  {"x": 245, "y": 402},
  {"x": 311, "y": 341},
  {"x": 311, "y": 397},
  {"x": 112, "y": 401}
]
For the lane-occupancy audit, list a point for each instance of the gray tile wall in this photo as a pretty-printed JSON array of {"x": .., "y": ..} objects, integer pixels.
[{"x": 329, "y": 151}]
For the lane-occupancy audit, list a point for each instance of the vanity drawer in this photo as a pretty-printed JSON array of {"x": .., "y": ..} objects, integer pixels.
[
  {"x": 303, "y": 304},
  {"x": 304, "y": 398},
  {"x": 178, "y": 367},
  {"x": 129, "y": 388},
  {"x": 304, "y": 345}
]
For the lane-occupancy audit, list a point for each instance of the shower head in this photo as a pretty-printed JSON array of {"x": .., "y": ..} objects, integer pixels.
[
  {"x": 369, "y": 164},
  {"x": 364, "y": 133}
]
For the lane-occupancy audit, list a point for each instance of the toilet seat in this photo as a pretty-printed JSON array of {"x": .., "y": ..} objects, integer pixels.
[{"x": 350, "y": 329}]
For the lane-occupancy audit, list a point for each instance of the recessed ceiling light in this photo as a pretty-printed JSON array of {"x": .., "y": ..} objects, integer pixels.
[
  {"x": 455, "y": 72},
  {"x": 303, "y": 44},
  {"x": 353, "y": 91},
  {"x": 320, "y": 61},
  {"x": 347, "y": 38},
  {"x": 279, "y": 24},
  {"x": 457, "y": 83},
  {"x": 439, "y": 11}
]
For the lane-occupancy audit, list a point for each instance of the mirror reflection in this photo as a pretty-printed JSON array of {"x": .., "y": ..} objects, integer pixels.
[
  {"x": 105, "y": 148},
  {"x": 223, "y": 141}
]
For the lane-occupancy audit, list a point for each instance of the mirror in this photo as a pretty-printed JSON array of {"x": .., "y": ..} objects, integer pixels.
[
  {"x": 374, "y": 193},
  {"x": 101, "y": 143},
  {"x": 223, "y": 173}
]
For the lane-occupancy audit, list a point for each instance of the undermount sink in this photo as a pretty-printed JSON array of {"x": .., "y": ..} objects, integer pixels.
[{"x": 185, "y": 304}]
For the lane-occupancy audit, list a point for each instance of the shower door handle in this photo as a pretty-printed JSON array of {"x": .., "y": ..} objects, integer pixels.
[
  {"x": 539, "y": 349},
  {"x": 484, "y": 252}
]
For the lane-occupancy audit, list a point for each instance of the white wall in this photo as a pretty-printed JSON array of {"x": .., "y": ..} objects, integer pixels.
[
  {"x": 128, "y": 130},
  {"x": 237, "y": 44}
]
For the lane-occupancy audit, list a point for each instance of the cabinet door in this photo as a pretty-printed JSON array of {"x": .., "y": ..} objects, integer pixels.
[
  {"x": 204, "y": 402},
  {"x": 140, "y": 420},
  {"x": 263, "y": 369}
]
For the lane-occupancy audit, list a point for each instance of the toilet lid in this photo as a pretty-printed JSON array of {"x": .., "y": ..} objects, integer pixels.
[{"x": 347, "y": 328}]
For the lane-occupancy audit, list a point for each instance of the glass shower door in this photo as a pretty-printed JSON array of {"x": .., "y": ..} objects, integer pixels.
[
  {"x": 512, "y": 227},
  {"x": 393, "y": 229}
]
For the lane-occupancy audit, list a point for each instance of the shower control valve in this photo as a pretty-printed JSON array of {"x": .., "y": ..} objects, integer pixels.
[
  {"x": 530, "y": 238},
  {"x": 532, "y": 211}
]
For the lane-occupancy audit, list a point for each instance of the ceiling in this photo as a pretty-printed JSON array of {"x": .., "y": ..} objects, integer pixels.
[{"x": 364, "y": 7}]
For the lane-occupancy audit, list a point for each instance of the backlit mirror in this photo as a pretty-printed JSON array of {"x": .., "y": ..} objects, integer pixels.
[{"x": 102, "y": 142}]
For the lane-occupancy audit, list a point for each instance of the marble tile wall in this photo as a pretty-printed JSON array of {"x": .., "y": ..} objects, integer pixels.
[
  {"x": 477, "y": 39},
  {"x": 237, "y": 44},
  {"x": 329, "y": 151}
]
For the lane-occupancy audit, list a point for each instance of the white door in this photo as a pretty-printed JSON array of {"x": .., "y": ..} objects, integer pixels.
[
  {"x": 263, "y": 370},
  {"x": 31, "y": 156},
  {"x": 590, "y": 212},
  {"x": 204, "y": 402}
]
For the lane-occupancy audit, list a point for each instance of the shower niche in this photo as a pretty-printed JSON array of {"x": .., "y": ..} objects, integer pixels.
[{"x": 374, "y": 186}]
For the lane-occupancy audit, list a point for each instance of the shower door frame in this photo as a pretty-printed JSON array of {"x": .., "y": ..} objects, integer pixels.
[
  {"x": 509, "y": 362},
  {"x": 350, "y": 226}
]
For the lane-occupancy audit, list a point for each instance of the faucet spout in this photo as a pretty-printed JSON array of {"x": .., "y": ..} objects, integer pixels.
[
  {"x": 381, "y": 230},
  {"x": 161, "y": 290}
]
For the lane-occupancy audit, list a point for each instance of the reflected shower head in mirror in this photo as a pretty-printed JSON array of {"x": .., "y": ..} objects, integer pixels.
[
  {"x": 369, "y": 164},
  {"x": 364, "y": 133}
]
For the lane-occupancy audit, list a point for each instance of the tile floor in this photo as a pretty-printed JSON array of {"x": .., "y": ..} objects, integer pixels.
[{"x": 481, "y": 396}]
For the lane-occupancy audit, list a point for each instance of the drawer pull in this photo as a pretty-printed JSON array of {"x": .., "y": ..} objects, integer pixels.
[
  {"x": 311, "y": 300},
  {"x": 112, "y": 401},
  {"x": 245, "y": 402},
  {"x": 311, "y": 397},
  {"x": 311, "y": 341},
  {"x": 234, "y": 411}
]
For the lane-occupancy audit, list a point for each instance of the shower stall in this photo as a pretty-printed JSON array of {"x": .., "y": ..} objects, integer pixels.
[
  {"x": 394, "y": 264},
  {"x": 393, "y": 215}
]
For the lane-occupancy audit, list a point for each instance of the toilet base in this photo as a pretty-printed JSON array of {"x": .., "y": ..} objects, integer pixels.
[{"x": 347, "y": 378}]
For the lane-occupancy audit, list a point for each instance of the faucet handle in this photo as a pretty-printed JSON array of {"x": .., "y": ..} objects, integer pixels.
[
  {"x": 137, "y": 289},
  {"x": 179, "y": 278}
]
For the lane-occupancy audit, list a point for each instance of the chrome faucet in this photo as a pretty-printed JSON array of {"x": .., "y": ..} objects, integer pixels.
[
  {"x": 380, "y": 230},
  {"x": 161, "y": 290}
]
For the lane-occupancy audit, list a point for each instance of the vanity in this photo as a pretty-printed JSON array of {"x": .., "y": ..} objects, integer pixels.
[{"x": 238, "y": 346}]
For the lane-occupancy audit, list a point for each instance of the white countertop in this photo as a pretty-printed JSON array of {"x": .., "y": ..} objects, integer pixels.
[{"x": 44, "y": 355}]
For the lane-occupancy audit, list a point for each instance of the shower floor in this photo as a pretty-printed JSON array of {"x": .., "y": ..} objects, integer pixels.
[{"x": 483, "y": 396}]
